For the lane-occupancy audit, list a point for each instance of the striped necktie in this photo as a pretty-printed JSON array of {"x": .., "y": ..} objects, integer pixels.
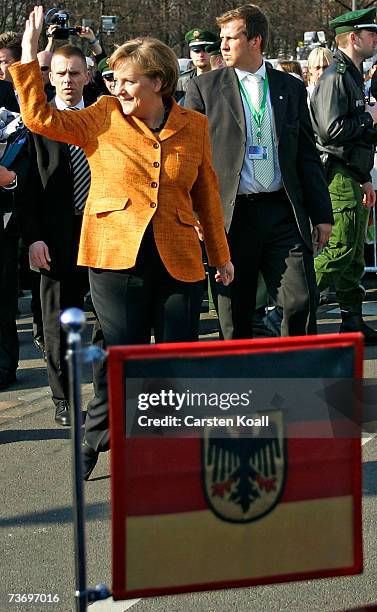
[
  {"x": 81, "y": 175},
  {"x": 264, "y": 170}
]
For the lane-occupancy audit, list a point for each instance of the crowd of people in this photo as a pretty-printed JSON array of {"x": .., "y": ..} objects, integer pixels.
[{"x": 232, "y": 162}]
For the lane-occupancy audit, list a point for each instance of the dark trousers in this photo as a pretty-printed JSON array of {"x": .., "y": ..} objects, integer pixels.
[
  {"x": 9, "y": 345},
  {"x": 129, "y": 305},
  {"x": 264, "y": 237},
  {"x": 35, "y": 305},
  {"x": 56, "y": 296}
]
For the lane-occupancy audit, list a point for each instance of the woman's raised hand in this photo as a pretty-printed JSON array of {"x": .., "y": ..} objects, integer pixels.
[{"x": 33, "y": 29}]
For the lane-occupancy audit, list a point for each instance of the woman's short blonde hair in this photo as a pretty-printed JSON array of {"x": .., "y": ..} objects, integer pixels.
[
  {"x": 320, "y": 54},
  {"x": 152, "y": 58}
]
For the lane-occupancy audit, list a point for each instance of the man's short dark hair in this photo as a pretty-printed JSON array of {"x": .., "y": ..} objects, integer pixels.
[
  {"x": 68, "y": 51},
  {"x": 256, "y": 22},
  {"x": 12, "y": 41}
]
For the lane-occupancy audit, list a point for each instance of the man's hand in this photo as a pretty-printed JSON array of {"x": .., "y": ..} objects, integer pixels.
[
  {"x": 50, "y": 37},
  {"x": 6, "y": 176},
  {"x": 92, "y": 39},
  {"x": 88, "y": 34},
  {"x": 39, "y": 255},
  {"x": 33, "y": 29},
  {"x": 320, "y": 235},
  {"x": 369, "y": 198},
  {"x": 225, "y": 274}
]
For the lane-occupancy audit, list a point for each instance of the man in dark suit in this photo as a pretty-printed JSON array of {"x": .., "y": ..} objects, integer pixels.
[
  {"x": 271, "y": 179},
  {"x": 12, "y": 183},
  {"x": 10, "y": 51},
  {"x": 51, "y": 223}
]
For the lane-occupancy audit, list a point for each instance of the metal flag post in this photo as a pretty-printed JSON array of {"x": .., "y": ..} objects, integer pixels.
[{"x": 73, "y": 322}]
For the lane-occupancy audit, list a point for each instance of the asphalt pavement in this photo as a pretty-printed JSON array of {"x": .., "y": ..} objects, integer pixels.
[{"x": 36, "y": 510}]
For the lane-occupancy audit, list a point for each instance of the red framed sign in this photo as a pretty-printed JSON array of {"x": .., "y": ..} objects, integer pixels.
[{"x": 226, "y": 494}]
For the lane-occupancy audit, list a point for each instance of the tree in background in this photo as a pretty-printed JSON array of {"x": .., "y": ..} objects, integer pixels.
[{"x": 170, "y": 19}]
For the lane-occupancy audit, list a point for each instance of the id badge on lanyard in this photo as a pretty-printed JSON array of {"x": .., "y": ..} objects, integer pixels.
[{"x": 257, "y": 152}]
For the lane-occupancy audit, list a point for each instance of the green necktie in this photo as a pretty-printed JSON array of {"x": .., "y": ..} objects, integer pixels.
[{"x": 264, "y": 171}]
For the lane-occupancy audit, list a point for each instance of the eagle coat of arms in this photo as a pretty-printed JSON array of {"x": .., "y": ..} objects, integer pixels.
[{"x": 244, "y": 472}]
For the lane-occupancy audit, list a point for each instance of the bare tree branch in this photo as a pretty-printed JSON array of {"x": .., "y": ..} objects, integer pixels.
[{"x": 170, "y": 19}]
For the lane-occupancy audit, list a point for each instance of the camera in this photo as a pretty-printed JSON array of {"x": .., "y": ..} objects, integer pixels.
[
  {"x": 311, "y": 41},
  {"x": 61, "y": 19}
]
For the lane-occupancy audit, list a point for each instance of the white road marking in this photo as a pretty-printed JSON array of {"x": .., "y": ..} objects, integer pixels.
[
  {"x": 369, "y": 432},
  {"x": 34, "y": 395},
  {"x": 365, "y": 440},
  {"x": 369, "y": 308},
  {"x": 109, "y": 605}
]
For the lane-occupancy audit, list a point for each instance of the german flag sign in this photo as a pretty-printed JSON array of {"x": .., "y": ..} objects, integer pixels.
[{"x": 232, "y": 463}]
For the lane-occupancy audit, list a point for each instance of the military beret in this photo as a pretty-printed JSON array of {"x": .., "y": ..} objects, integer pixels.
[
  {"x": 200, "y": 37},
  {"x": 363, "y": 19},
  {"x": 214, "y": 48},
  {"x": 103, "y": 66}
]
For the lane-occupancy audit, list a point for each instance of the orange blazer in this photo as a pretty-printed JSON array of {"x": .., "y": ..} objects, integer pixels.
[{"x": 136, "y": 178}]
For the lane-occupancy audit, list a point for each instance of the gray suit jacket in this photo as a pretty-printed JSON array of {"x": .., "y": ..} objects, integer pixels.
[{"x": 217, "y": 95}]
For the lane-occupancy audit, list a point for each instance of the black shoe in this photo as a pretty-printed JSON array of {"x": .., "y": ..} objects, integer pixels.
[
  {"x": 89, "y": 459},
  {"x": 63, "y": 414},
  {"x": 356, "y": 324},
  {"x": 6, "y": 378},
  {"x": 40, "y": 345}
]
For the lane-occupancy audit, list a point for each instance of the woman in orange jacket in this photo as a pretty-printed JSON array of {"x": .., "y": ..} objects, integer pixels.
[{"x": 151, "y": 178}]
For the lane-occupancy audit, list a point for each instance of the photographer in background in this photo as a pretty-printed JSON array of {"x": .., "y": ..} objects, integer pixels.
[
  {"x": 96, "y": 85},
  {"x": 54, "y": 33},
  {"x": 58, "y": 30}
]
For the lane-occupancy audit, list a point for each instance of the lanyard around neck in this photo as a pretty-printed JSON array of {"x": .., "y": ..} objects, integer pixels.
[{"x": 257, "y": 115}]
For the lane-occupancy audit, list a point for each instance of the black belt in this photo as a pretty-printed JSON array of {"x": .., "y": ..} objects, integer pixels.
[{"x": 264, "y": 195}]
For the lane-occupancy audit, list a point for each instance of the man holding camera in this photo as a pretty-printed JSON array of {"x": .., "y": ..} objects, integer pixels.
[{"x": 58, "y": 29}]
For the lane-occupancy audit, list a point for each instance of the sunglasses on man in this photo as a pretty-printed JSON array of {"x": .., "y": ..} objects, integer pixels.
[
  {"x": 198, "y": 48},
  {"x": 44, "y": 68},
  {"x": 109, "y": 76}
]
